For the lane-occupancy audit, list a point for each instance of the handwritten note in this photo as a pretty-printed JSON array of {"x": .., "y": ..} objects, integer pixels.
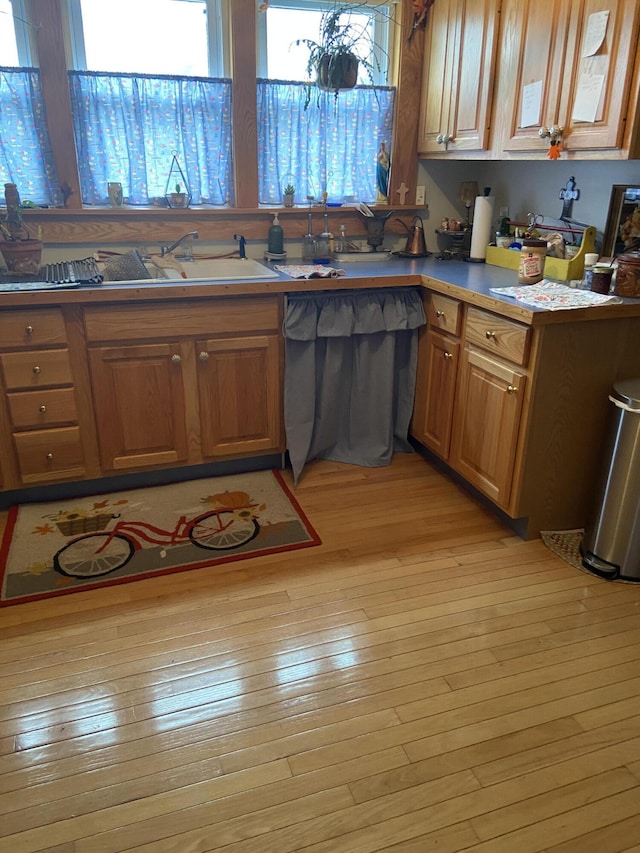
[
  {"x": 595, "y": 33},
  {"x": 531, "y": 103},
  {"x": 588, "y": 97}
]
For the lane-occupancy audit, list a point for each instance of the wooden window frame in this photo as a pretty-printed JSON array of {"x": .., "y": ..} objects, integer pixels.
[{"x": 73, "y": 223}]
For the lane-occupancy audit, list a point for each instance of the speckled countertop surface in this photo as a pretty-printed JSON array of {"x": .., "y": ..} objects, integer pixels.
[{"x": 470, "y": 282}]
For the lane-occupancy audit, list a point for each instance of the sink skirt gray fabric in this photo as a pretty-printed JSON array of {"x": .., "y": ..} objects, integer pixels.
[{"x": 350, "y": 374}]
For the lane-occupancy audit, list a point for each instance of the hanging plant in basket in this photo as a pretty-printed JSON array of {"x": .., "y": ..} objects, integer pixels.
[{"x": 337, "y": 56}]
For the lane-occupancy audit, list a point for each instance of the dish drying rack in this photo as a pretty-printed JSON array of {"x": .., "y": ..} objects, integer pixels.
[{"x": 560, "y": 269}]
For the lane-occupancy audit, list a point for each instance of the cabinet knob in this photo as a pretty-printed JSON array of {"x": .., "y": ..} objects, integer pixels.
[
  {"x": 29, "y": 330},
  {"x": 443, "y": 138},
  {"x": 439, "y": 313},
  {"x": 176, "y": 359},
  {"x": 36, "y": 370},
  {"x": 43, "y": 409},
  {"x": 448, "y": 356},
  {"x": 490, "y": 336},
  {"x": 512, "y": 389},
  {"x": 49, "y": 457},
  {"x": 203, "y": 356}
]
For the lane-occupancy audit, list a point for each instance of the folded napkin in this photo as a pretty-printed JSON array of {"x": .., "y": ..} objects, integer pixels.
[
  {"x": 309, "y": 271},
  {"x": 553, "y": 296}
]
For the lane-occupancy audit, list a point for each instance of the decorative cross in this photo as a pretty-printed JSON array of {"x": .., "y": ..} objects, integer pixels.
[
  {"x": 402, "y": 191},
  {"x": 569, "y": 194}
]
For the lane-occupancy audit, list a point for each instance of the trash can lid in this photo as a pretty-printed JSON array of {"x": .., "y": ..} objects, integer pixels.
[{"x": 627, "y": 394}]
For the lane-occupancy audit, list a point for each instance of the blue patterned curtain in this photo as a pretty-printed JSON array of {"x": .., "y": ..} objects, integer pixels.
[
  {"x": 25, "y": 151},
  {"x": 331, "y": 146},
  {"x": 128, "y": 127}
]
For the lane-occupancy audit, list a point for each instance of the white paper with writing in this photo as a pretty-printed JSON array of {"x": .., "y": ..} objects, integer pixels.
[
  {"x": 588, "y": 97},
  {"x": 531, "y": 103},
  {"x": 595, "y": 33}
]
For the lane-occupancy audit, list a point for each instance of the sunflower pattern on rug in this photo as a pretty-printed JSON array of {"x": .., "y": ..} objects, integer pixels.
[{"x": 51, "y": 548}]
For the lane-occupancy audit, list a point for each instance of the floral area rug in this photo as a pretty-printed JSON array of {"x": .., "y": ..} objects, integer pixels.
[{"x": 83, "y": 543}]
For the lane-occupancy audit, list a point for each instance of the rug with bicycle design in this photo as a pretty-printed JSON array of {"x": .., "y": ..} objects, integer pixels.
[{"x": 66, "y": 546}]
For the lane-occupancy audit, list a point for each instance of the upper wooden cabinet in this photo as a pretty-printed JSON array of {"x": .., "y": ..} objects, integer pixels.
[
  {"x": 552, "y": 71},
  {"x": 496, "y": 72},
  {"x": 458, "y": 77}
]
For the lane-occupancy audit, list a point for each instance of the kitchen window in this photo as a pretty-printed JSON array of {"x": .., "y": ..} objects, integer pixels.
[
  {"x": 15, "y": 49},
  {"x": 331, "y": 146},
  {"x": 143, "y": 93}
]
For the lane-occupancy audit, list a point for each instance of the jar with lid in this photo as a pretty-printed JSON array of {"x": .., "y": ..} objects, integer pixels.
[{"x": 532, "y": 257}]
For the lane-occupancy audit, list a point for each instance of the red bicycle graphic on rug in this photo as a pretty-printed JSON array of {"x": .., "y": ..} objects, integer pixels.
[{"x": 94, "y": 554}]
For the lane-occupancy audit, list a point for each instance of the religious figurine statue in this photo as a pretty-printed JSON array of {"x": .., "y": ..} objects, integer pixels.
[{"x": 382, "y": 175}]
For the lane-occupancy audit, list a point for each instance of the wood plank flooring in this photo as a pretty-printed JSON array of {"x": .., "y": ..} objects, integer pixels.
[{"x": 423, "y": 680}]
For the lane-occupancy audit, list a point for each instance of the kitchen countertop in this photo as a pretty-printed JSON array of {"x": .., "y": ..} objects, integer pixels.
[{"x": 458, "y": 279}]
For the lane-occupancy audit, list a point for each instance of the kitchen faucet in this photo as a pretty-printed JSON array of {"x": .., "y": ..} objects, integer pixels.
[
  {"x": 242, "y": 248},
  {"x": 167, "y": 250}
]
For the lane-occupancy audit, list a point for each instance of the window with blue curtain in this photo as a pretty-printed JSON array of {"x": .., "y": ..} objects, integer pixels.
[
  {"x": 129, "y": 126},
  {"x": 330, "y": 147},
  {"x": 26, "y": 158}
]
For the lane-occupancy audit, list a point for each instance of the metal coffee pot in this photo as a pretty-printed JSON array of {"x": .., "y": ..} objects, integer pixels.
[{"x": 416, "y": 244}]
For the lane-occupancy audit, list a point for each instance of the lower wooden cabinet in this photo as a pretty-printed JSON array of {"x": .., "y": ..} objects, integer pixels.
[
  {"x": 435, "y": 392},
  {"x": 488, "y": 407},
  {"x": 239, "y": 395},
  {"x": 213, "y": 389},
  {"x": 139, "y": 403},
  {"x": 470, "y": 392}
]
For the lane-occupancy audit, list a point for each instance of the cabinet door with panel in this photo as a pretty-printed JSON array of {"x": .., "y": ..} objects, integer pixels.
[
  {"x": 554, "y": 72},
  {"x": 239, "y": 395},
  {"x": 209, "y": 388},
  {"x": 435, "y": 393},
  {"x": 487, "y": 421},
  {"x": 458, "y": 76},
  {"x": 438, "y": 356},
  {"x": 139, "y": 401}
]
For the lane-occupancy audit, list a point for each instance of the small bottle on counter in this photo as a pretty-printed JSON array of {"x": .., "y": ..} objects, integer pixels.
[
  {"x": 276, "y": 237},
  {"x": 532, "y": 258},
  {"x": 341, "y": 241}
]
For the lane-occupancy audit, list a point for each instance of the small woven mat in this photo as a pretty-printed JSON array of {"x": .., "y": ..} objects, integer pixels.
[{"x": 566, "y": 544}]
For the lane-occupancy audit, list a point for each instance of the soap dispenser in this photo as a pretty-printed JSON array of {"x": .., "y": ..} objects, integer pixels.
[{"x": 276, "y": 238}]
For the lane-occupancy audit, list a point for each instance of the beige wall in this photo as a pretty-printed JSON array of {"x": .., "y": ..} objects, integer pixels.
[{"x": 524, "y": 186}]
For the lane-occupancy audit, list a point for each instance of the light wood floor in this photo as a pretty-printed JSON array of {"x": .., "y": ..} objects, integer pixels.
[{"x": 422, "y": 681}]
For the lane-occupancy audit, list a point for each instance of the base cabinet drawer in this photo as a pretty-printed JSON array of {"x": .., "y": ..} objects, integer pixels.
[
  {"x": 37, "y": 369},
  {"x": 39, "y": 409},
  {"x": 50, "y": 454}
]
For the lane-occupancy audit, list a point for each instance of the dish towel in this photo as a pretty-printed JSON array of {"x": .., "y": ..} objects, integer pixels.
[
  {"x": 553, "y": 296},
  {"x": 310, "y": 271}
]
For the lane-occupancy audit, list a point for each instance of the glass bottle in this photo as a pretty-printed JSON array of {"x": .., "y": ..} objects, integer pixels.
[{"x": 308, "y": 242}]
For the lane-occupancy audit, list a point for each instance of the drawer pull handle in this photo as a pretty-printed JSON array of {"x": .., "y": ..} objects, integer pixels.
[
  {"x": 439, "y": 314},
  {"x": 29, "y": 330},
  {"x": 448, "y": 356},
  {"x": 512, "y": 389},
  {"x": 50, "y": 457},
  {"x": 203, "y": 356},
  {"x": 176, "y": 359},
  {"x": 490, "y": 336},
  {"x": 43, "y": 409},
  {"x": 36, "y": 370}
]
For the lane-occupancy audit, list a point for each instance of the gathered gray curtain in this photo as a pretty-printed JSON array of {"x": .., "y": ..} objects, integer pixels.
[{"x": 350, "y": 374}]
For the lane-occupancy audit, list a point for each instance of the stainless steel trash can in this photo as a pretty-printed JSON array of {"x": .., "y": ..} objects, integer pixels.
[{"x": 611, "y": 543}]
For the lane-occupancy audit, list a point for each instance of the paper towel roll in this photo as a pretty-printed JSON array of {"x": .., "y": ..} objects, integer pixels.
[{"x": 482, "y": 224}]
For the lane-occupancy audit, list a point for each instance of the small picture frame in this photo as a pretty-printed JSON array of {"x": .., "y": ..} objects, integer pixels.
[{"x": 624, "y": 200}]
